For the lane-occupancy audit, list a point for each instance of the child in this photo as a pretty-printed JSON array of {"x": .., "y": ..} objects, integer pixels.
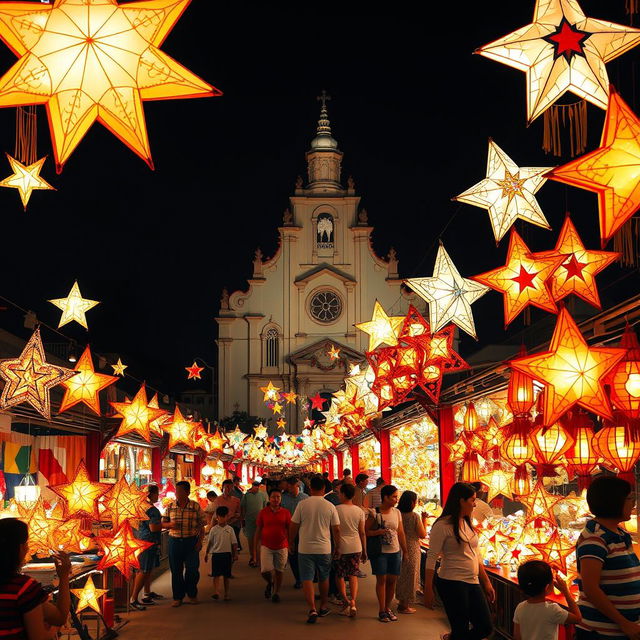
[
  {"x": 535, "y": 618},
  {"x": 223, "y": 549}
]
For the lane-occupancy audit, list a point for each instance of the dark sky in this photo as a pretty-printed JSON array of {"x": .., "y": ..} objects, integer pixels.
[{"x": 412, "y": 110}]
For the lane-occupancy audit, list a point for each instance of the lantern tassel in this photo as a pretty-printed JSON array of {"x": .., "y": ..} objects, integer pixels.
[
  {"x": 632, "y": 7},
  {"x": 627, "y": 243},
  {"x": 571, "y": 116},
  {"x": 26, "y": 147}
]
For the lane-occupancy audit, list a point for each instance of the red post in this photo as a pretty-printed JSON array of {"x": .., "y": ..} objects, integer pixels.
[
  {"x": 446, "y": 435},
  {"x": 340, "y": 458},
  {"x": 325, "y": 465},
  {"x": 197, "y": 467},
  {"x": 354, "y": 452},
  {"x": 385, "y": 456},
  {"x": 92, "y": 455},
  {"x": 156, "y": 465},
  {"x": 332, "y": 467}
]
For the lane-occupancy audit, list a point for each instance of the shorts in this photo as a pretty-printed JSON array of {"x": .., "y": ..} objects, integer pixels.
[
  {"x": 221, "y": 565},
  {"x": 149, "y": 559},
  {"x": 309, "y": 563},
  {"x": 249, "y": 528},
  {"x": 271, "y": 559},
  {"x": 347, "y": 565},
  {"x": 386, "y": 564}
]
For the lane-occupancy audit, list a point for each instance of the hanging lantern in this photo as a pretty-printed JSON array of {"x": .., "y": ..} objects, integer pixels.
[
  {"x": 27, "y": 492},
  {"x": 619, "y": 456},
  {"x": 470, "y": 468},
  {"x": 549, "y": 445},
  {"x": 581, "y": 456},
  {"x": 521, "y": 482},
  {"x": 520, "y": 392},
  {"x": 517, "y": 449},
  {"x": 470, "y": 422}
]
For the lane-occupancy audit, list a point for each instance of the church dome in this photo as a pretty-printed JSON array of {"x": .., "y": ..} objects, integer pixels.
[{"x": 324, "y": 141}]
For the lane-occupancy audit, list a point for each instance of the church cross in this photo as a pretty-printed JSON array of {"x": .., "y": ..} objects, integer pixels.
[{"x": 324, "y": 97}]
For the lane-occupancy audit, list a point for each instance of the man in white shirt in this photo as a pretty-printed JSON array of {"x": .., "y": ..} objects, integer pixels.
[
  {"x": 316, "y": 519},
  {"x": 482, "y": 511}
]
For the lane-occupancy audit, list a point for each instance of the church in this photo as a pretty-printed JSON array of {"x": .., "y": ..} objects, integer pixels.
[{"x": 301, "y": 305}]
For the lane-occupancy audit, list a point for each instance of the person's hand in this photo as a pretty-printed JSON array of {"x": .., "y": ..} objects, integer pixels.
[
  {"x": 490, "y": 592},
  {"x": 363, "y": 557},
  {"x": 170, "y": 525},
  {"x": 631, "y": 630},
  {"x": 429, "y": 597},
  {"x": 198, "y": 545},
  {"x": 560, "y": 584},
  {"x": 62, "y": 563}
]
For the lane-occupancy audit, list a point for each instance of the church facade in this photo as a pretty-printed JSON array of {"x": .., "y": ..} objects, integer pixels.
[{"x": 302, "y": 303}]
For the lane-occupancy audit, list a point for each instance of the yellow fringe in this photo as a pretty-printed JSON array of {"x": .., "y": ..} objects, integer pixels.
[
  {"x": 627, "y": 243},
  {"x": 556, "y": 118},
  {"x": 26, "y": 148}
]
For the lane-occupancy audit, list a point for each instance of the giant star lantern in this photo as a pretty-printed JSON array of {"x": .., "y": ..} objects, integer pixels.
[
  {"x": 74, "y": 306},
  {"x": 508, "y": 192},
  {"x": 555, "y": 551},
  {"x": 449, "y": 295},
  {"x": 179, "y": 429},
  {"x": 25, "y": 179},
  {"x": 577, "y": 273},
  {"x": 155, "y": 426},
  {"x": 237, "y": 437},
  {"x": 382, "y": 329},
  {"x": 125, "y": 501},
  {"x": 89, "y": 60},
  {"x": 137, "y": 415},
  {"x": 612, "y": 170},
  {"x": 540, "y": 503},
  {"x": 523, "y": 279},
  {"x": 562, "y": 50},
  {"x": 29, "y": 378},
  {"x": 81, "y": 495},
  {"x": 85, "y": 385},
  {"x": 194, "y": 371},
  {"x": 88, "y": 596},
  {"x": 571, "y": 371},
  {"x": 122, "y": 550}
]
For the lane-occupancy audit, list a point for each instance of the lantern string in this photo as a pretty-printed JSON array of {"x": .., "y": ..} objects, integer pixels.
[
  {"x": 555, "y": 119},
  {"x": 26, "y": 148}
]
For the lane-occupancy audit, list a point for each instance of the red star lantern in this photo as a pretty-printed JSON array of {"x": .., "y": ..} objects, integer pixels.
[
  {"x": 571, "y": 370},
  {"x": 81, "y": 495},
  {"x": 121, "y": 550},
  {"x": 137, "y": 415},
  {"x": 124, "y": 502},
  {"x": 179, "y": 429},
  {"x": 317, "y": 402},
  {"x": 555, "y": 551},
  {"x": 540, "y": 503},
  {"x": 612, "y": 170},
  {"x": 523, "y": 279},
  {"x": 194, "y": 371}
]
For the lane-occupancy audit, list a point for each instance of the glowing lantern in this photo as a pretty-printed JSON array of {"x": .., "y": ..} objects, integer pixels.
[
  {"x": 382, "y": 329},
  {"x": 194, "y": 371},
  {"x": 27, "y": 492},
  {"x": 179, "y": 429},
  {"x": 74, "y": 306},
  {"x": 317, "y": 402},
  {"x": 470, "y": 469},
  {"x": 517, "y": 449},
  {"x": 270, "y": 392},
  {"x": 217, "y": 442},
  {"x": 498, "y": 482},
  {"x": 137, "y": 415},
  {"x": 582, "y": 456},
  {"x": 124, "y": 502},
  {"x": 81, "y": 495},
  {"x": 521, "y": 482},
  {"x": 155, "y": 426},
  {"x": 88, "y": 596},
  {"x": 68, "y": 536},
  {"x": 550, "y": 444},
  {"x": 122, "y": 550},
  {"x": 94, "y": 60},
  {"x": 25, "y": 178},
  {"x": 611, "y": 444},
  {"x": 540, "y": 503},
  {"x": 470, "y": 422},
  {"x": 119, "y": 367},
  {"x": 562, "y": 50},
  {"x": 520, "y": 392},
  {"x": 555, "y": 551},
  {"x": 612, "y": 170}
]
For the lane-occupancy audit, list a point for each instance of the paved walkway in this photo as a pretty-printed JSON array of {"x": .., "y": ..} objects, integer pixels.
[{"x": 248, "y": 616}]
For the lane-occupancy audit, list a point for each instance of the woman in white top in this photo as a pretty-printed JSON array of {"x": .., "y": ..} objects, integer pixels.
[
  {"x": 462, "y": 582},
  {"x": 386, "y": 521}
]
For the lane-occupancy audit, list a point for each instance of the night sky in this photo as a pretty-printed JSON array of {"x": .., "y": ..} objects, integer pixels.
[{"x": 412, "y": 109}]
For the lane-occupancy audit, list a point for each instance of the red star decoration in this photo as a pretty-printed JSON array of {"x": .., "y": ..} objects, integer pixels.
[
  {"x": 194, "y": 371},
  {"x": 567, "y": 40},
  {"x": 122, "y": 550},
  {"x": 525, "y": 279},
  {"x": 317, "y": 402},
  {"x": 574, "y": 268}
]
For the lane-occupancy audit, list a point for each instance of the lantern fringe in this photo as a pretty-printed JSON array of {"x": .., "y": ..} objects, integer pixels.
[
  {"x": 632, "y": 7},
  {"x": 26, "y": 148},
  {"x": 627, "y": 242},
  {"x": 556, "y": 117}
]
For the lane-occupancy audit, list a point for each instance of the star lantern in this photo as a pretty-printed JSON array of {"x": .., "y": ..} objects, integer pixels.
[
  {"x": 81, "y": 495},
  {"x": 25, "y": 178},
  {"x": 85, "y": 385},
  {"x": 582, "y": 457},
  {"x": 74, "y": 306},
  {"x": 576, "y": 275},
  {"x": 317, "y": 402},
  {"x": 180, "y": 430},
  {"x": 40, "y": 528},
  {"x": 88, "y": 596},
  {"x": 333, "y": 353},
  {"x": 382, "y": 329},
  {"x": 270, "y": 392},
  {"x": 119, "y": 367},
  {"x": 449, "y": 295},
  {"x": 612, "y": 170},
  {"x": 281, "y": 423},
  {"x": 29, "y": 378},
  {"x": 217, "y": 441},
  {"x": 69, "y": 536},
  {"x": 550, "y": 444},
  {"x": 260, "y": 431},
  {"x": 555, "y": 551},
  {"x": 523, "y": 279},
  {"x": 562, "y": 50},
  {"x": 507, "y": 192},
  {"x": 540, "y": 503},
  {"x": 618, "y": 453},
  {"x": 571, "y": 371},
  {"x": 137, "y": 415},
  {"x": 125, "y": 502},
  {"x": 94, "y": 60},
  {"x": 276, "y": 408},
  {"x": 498, "y": 482},
  {"x": 155, "y": 426},
  {"x": 237, "y": 437},
  {"x": 290, "y": 397},
  {"x": 121, "y": 550},
  {"x": 194, "y": 371}
]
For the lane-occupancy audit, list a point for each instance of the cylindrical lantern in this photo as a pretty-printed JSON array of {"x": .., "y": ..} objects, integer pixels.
[
  {"x": 517, "y": 449},
  {"x": 520, "y": 396},
  {"x": 549, "y": 445},
  {"x": 470, "y": 468},
  {"x": 581, "y": 455},
  {"x": 521, "y": 482},
  {"x": 470, "y": 422},
  {"x": 618, "y": 456}
]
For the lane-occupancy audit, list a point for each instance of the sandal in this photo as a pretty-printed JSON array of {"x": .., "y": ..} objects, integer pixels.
[
  {"x": 392, "y": 616},
  {"x": 383, "y": 617},
  {"x": 313, "y": 616},
  {"x": 406, "y": 610},
  {"x": 352, "y": 612}
]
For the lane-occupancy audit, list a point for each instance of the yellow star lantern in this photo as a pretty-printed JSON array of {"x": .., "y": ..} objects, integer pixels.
[
  {"x": 137, "y": 415},
  {"x": 89, "y": 60},
  {"x": 508, "y": 192},
  {"x": 122, "y": 550},
  {"x": 290, "y": 397},
  {"x": 612, "y": 170},
  {"x": 30, "y": 377},
  {"x": 281, "y": 422},
  {"x": 540, "y": 503},
  {"x": 449, "y": 295},
  {"x": 217, "y": 442},
  {"x": 260, "y": 431},
  {"x": 237, "y": 437},
  {"x": 25, "y": 179},
  {"x": 85, "y": 385},
  {"x": 40, "y": 528},
  {"x": 88, "y": 596},
  {"x": 125, "y": 501},
  {"x": 277, "y": 408},
  {"x": 74, "y": 306},
  {"x": 155, "y": 426},
  {"x": 81, "y": 495},
  {"x": 563, "y": 50},
  {"x": 499, "y": 483},
  {"x": 270, "y": 392},
  {"x": 179, "y": 429},
  {"x": 382, "y": 329},
  {"x": 119, "y": 367},
  {"x": 571, "y": 371}
]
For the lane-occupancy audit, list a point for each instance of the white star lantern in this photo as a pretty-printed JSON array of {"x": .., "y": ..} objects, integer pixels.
[{"x": 74, "y": 307}]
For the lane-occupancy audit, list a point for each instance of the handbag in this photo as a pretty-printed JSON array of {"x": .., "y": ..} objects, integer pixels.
[{"x": 374, "y": 543}]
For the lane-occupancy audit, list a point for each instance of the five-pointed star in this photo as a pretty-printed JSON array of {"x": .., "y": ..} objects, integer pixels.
[
  {"x": 81, "y": 495},
  {"x": 555, "y": 550},
  {"x": 194, "y": 371},
  {"x": 612, "y": 170},
  {"x": 508, "y": 192},
  {"x": 88, "y": 596},
  {"x": 270, "y": 392},
  {"x": 30, "y": 377},
  {"x": 260, "y": 431},
  {"x": 74, "y": 307},
  {"x": 290, "y": 396},
  {"x": 381, "y": 328},
  {"x": 277, "y": 408},
  {"x": 86, "y": 385},
  {"x": 94, "y": 60},
  {"x": 317, "y": 402},
  {"x": 540, "y": 503},
  {"x": 449, "y": 295},
  {"x": 333, "y": 353},
  {"x": 237, "y": 437},
  {"x": 523, "y": 279},
  {"x": 122, "y": 550},
  {"x": 499, "y": 483},
  {"x": 577, "y": 273},
  {"x": 179, "y": 429},
  {"x": 125, "y": 501},
  {"x": 119, "y": 367},
  {"x": 137, "y": 415},
  {"x": 571, "y": 371},
  {"x": 563, "y": 50},
  {"x": 281, "y": 422},
  {"x": 25, "y": 179}
]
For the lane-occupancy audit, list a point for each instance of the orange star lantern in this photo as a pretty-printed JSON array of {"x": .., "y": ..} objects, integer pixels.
[
  {"x": 122, "y": 550},
  {"x": 540, "y": 503},
  {"x": 555, "y": 550},
  {"x": 523, "y": 279},
  {"x": 571, "y": 370},
  {"x": 612, "y": 170},
  {"x": 137, "y": 415},
  {"x": 81, "y": 495},
  {"x": 88, "y": 596},
  {"x": 30, "y": 377},
  {"x": 94, "y": 60},
  {"x": 85, "y": 385},
  {"x": 179, "y": 429},
  {"x": 194, "y": 371},
  {"x": 69, "y": 536},
  {"x": 155, "y": 426},
  {"x": 125, "y": 501}
]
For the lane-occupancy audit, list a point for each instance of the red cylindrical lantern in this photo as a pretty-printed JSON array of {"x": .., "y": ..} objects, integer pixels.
[
  {"x": 581, "y": 456},
  {"x": 618, "y": 455},
  {"x": 470, "y": 422},
  {"x": 520, "y": 396},
  {"x": 549, "y": 445},
  {"x": 470, "y": 468}
]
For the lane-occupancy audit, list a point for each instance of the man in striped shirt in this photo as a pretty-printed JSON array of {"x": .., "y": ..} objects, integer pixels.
[{"x": 609, "y": 569}]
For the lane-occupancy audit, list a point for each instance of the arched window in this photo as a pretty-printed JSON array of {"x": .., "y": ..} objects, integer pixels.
[
  {"x": 271, "y": 339},
  {"x": 324, "y": 234}
]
